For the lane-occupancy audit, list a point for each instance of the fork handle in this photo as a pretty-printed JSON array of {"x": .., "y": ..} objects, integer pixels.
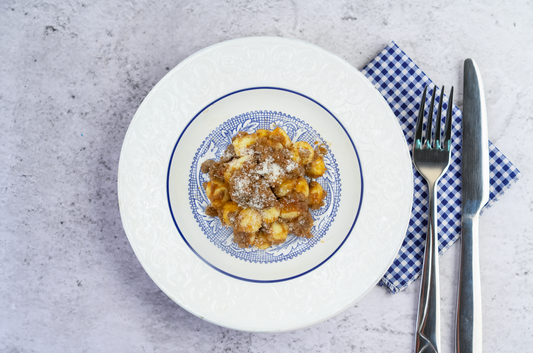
[
  {"x": 428, "y": 318},
  {"x": 468, "y": 330}
]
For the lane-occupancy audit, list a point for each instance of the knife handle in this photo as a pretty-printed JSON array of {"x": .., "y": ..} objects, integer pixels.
[
  {"x": 427, "y": 338},
  {"x": 468, "y": 330}
]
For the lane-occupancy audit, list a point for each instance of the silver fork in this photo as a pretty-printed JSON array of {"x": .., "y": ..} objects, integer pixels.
[{"x": 431, "y": 157}]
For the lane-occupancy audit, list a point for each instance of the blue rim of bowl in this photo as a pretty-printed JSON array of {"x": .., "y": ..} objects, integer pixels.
[{"x": 250, "y": 279}]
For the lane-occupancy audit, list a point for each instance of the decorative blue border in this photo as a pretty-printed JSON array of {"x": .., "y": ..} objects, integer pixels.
[
  {"x": 249, "y": 279},
  {"x": 214, "y": 146}
]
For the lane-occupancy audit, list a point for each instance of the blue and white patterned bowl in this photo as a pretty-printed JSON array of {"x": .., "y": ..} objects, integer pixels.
[
  {"x": 215, "y": 145},
  {"x": 207, "y": 136}
]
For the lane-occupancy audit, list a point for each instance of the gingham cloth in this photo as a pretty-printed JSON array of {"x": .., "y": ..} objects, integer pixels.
[{"x": 401, "y": 83}]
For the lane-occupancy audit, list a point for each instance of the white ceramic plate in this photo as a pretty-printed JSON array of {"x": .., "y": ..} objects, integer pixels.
[{"x": 190, "y": 116}]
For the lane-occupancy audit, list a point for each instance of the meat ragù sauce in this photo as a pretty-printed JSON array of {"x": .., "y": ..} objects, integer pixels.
[{"x": 260, "y": 187}]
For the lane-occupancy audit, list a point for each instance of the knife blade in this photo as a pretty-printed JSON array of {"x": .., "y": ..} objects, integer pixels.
[{"x": 475, "y": 194}]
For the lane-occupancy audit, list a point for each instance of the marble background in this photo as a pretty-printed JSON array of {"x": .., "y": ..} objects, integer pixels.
[{"x": 72, "y": 74}]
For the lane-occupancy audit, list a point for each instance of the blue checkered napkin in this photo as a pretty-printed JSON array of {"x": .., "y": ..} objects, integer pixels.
[{"x": 401, "y": 83}]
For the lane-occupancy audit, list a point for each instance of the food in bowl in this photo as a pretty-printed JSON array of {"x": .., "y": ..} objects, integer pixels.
[{"x": 263, "y": 188}]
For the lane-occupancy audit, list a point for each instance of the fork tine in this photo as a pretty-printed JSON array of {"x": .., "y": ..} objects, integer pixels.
[
  {"x": 439, "y": 121},
  {"x": 448, "y": 126},
  {"x": 429, "y": 126},
  {"x": 420, "y": 120}
]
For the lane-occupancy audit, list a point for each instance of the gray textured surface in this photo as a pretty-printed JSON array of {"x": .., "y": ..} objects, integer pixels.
[{"x": 71, "y": 77}]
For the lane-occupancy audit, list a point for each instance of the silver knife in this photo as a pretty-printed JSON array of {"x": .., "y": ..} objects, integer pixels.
[{"x": 475, "y": 194}]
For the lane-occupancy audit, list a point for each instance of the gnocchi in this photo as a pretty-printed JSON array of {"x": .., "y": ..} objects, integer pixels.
[{"x": 262, "y": 187}]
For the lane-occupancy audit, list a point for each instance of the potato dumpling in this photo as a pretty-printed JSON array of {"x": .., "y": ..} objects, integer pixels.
[
  {"x": 302, "y": 186},
  {"x": 263, "y": 133},
  {"x": 316, "y": 195},
  {"x": 261, "y": 241},
  {"x": 302, "y": 152},
  {"x": 279, "y": 135},
  {"x": 276, "y": 146},
  {"x": 289, "y": 211},
  {"x": 249, "y": 220},
  {"x": 270, "y": 215},
  {"x": 277, "y": 232},
  {"x": 217, "y": 192},
  {"x": 259, "y": 187},
  {"x": 242, "y": 143},
  {"x": 230, "y": 210},
  {"x": 235, "y": 165},
  {"x": 317, "y": 168},
  {"x": 285, "y": 187}
]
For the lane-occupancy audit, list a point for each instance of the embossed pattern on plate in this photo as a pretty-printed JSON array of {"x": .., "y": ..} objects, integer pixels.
[{"x": 301, "y": 67}]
